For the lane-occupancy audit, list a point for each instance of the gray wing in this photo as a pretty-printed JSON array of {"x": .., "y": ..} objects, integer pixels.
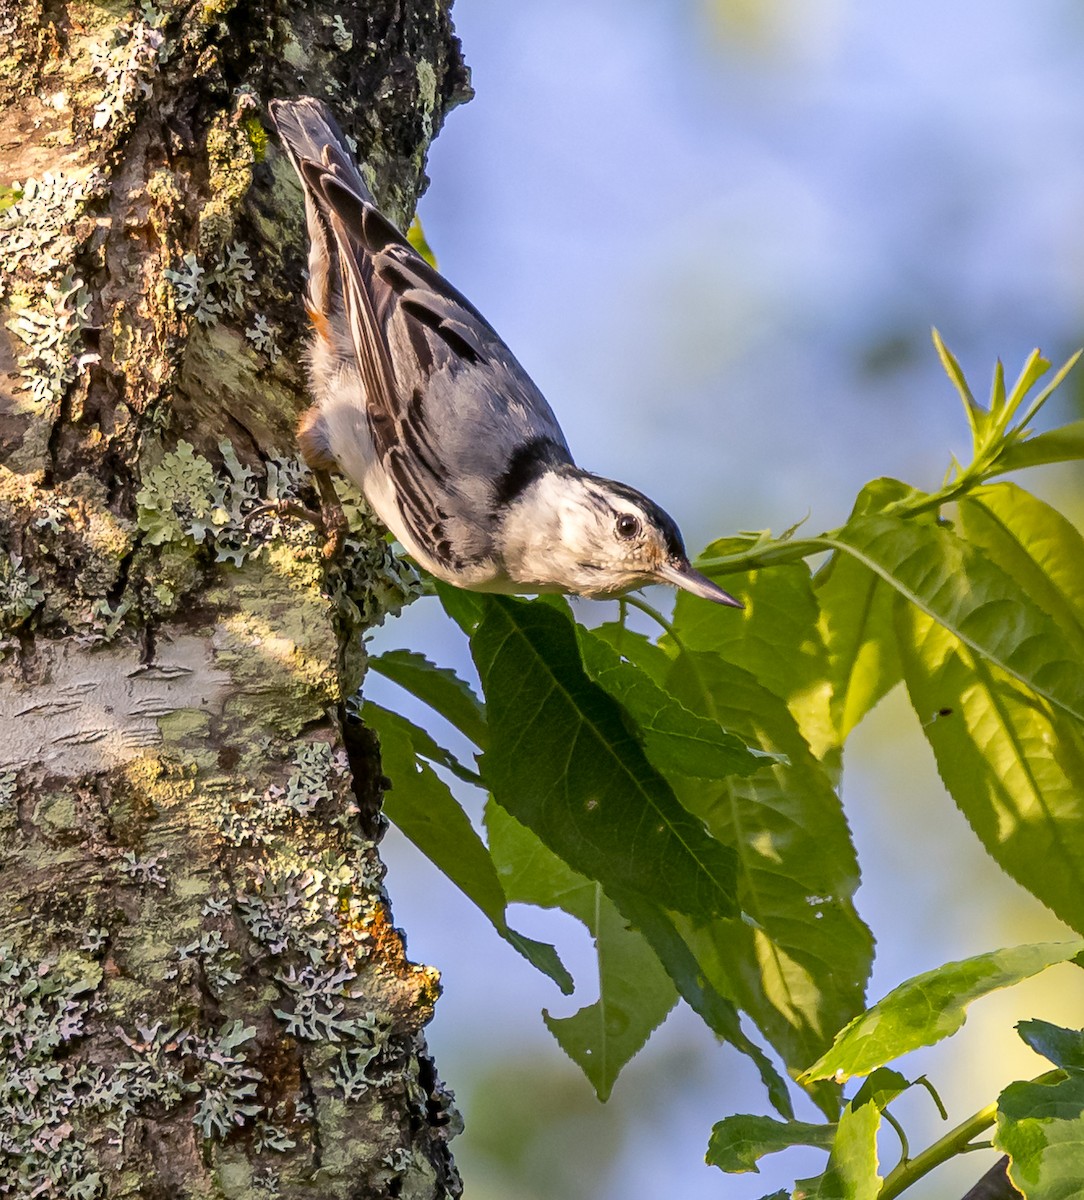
[{"x": 457, "y": 423}]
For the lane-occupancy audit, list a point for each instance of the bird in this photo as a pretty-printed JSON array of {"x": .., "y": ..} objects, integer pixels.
[{"x": 420, "y": 403}]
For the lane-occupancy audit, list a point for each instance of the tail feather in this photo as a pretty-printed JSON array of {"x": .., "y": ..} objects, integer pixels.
[{"x": 312, "y": 135}]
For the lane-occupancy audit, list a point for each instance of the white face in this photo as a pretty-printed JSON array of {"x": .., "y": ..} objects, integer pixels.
[{"x": 573, "y": 532}]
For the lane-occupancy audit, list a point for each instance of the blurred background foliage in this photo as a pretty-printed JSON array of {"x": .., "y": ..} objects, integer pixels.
[{"x": 717, "y": 233}]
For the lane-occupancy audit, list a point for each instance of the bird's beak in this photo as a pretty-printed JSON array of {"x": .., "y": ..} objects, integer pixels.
[{"x": 681, "y": 575}]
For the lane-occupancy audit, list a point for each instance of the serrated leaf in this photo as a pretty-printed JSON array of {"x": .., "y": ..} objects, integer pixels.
[
  {"x": 1063, "y": 1047},
  {"x": 799, "y": 965},
  {"x": 852, "y": 1165},
  {"x": 439, "y": 687},
  {"x": 635, "y": 993},
  {"x": 977, "y": 417},
  {"x": 738, "y": 1142},
  {"x": 931, "y": 1006},
  {"x": 671, "y": 946},
  {"x": 423, "y": 807},
  {"x": 1065, "y": 444},
  {"x": 563, "y": 762},
  {"x": 1013, "y": 764},
  {"x": 882, "y": 1087},
  {"x": 676, "y": 740},
  {"x": 973, "y": 598},
  {"x": 1036, "y": 545},
  {"x": 857, "y": 625},
  {"x": 1040, "y": 1125},
  {"x": 775, "y": 637}
]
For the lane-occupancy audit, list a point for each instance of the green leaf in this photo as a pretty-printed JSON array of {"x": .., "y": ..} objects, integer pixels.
[
  {"x": 1040, "y": 1125},
  {"x": 1065, "y": 444},
  {"x": 422, "y": 806},
  {"x": 1013, "y": 763},
  {"x": 670, "y": 943},
  {"x": 635, "y": 993},
  {"x": 977, "y": 417},
  {"x": 798, "y": 966},
  {"x": 931, "y": 1006},
  {"x": 852, "y": 1165},
  {"x": 775, "y": 637},
  {"x": 439, "y": 687},
  {"x": 1034, "y": 368},
  {"x": 882, "y": 1087},
  {"x": 973, "y": 598},
  {"x": 738, "y": 1142},
  {"x": 856, "y": 624},
  {"x": 1036, "y": 545},
  {"x": 676, "y": 740},
  {"x": 1064, "y": 1047},
  {"x": 563, "y": 762}
]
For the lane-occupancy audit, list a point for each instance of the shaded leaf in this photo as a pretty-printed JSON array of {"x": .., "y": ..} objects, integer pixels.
[
  {"x": 422, "y": 806},
  {"x": 675, "y": 739},
  {"x": 881, "y": 1088},
  {"x": 439, "y": 687},
  {"x": 635, "y": 993},
  {"x": 799, "y": 965},
  {"x": 931, "y": 1006},
  {"x": 738, "y": 1142},
  {"x": 563, "y": 762},
  {"x": 973, "y": 598},
  {"x": 1064, "y": 1047},
  {"x": 670, "y": 944},
  {"x": 1013, "y": 763},
  {"x": 1040, "y": 1125}
]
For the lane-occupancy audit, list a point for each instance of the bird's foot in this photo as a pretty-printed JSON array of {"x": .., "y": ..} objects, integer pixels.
[{"x": 329, "y": 520}]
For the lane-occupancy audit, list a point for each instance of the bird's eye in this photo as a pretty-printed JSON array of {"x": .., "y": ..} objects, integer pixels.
[{"x": 627, "y": 526}]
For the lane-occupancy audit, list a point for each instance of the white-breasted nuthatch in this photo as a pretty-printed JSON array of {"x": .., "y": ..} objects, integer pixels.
[{"x": 421, "y": 404}]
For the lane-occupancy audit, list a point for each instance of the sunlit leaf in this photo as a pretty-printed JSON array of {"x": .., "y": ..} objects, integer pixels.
[
  {"x": 1065, "y": 444},
  {"x": 931, "y": 1006},
  {"x": 973, "y": 598},
  {"x": 416, "y": 237},
  {"x": 1036, "y": 545},
  {"x": 857, "y": 625},
  {"x": 635, "y": 993},
  {"x": 563, "y": 761},
  {"x": 1064, "y": 1047},
  {"x": 1013, "y": 763},
  {"x": 422, "y": 806},
  {"x": 851, "y": 1173},
  {"x": 1040, "y": 1125},
  {"x": 439, "y": 687},
  {"x": 978, "y": 418},
  {"x": 738, "y": 1142},
  {"x": 775, "y": 637}
]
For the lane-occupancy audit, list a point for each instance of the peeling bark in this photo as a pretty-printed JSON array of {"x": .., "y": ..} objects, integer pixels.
[{"x": 201, "y": 989}]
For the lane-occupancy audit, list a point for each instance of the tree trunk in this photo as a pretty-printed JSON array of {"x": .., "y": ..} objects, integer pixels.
[{"x": 201, "y": 990}]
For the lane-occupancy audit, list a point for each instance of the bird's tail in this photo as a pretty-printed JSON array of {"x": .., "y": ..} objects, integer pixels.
[{"x": 311, "y": 135}]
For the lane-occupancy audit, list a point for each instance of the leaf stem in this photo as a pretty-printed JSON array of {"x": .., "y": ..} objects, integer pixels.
[
  {"x": 907, "y": 1172},
  {"x": 655, "y": 615}
]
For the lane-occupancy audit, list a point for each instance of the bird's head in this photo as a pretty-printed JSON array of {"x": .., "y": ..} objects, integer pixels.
[{"x": 576, "y": 532}]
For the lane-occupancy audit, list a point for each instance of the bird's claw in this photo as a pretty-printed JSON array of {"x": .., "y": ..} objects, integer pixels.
[{"x": 329, "y": 520}]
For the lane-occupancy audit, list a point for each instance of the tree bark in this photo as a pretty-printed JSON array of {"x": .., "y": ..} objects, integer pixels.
[{"x": 201, "y": 989}]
